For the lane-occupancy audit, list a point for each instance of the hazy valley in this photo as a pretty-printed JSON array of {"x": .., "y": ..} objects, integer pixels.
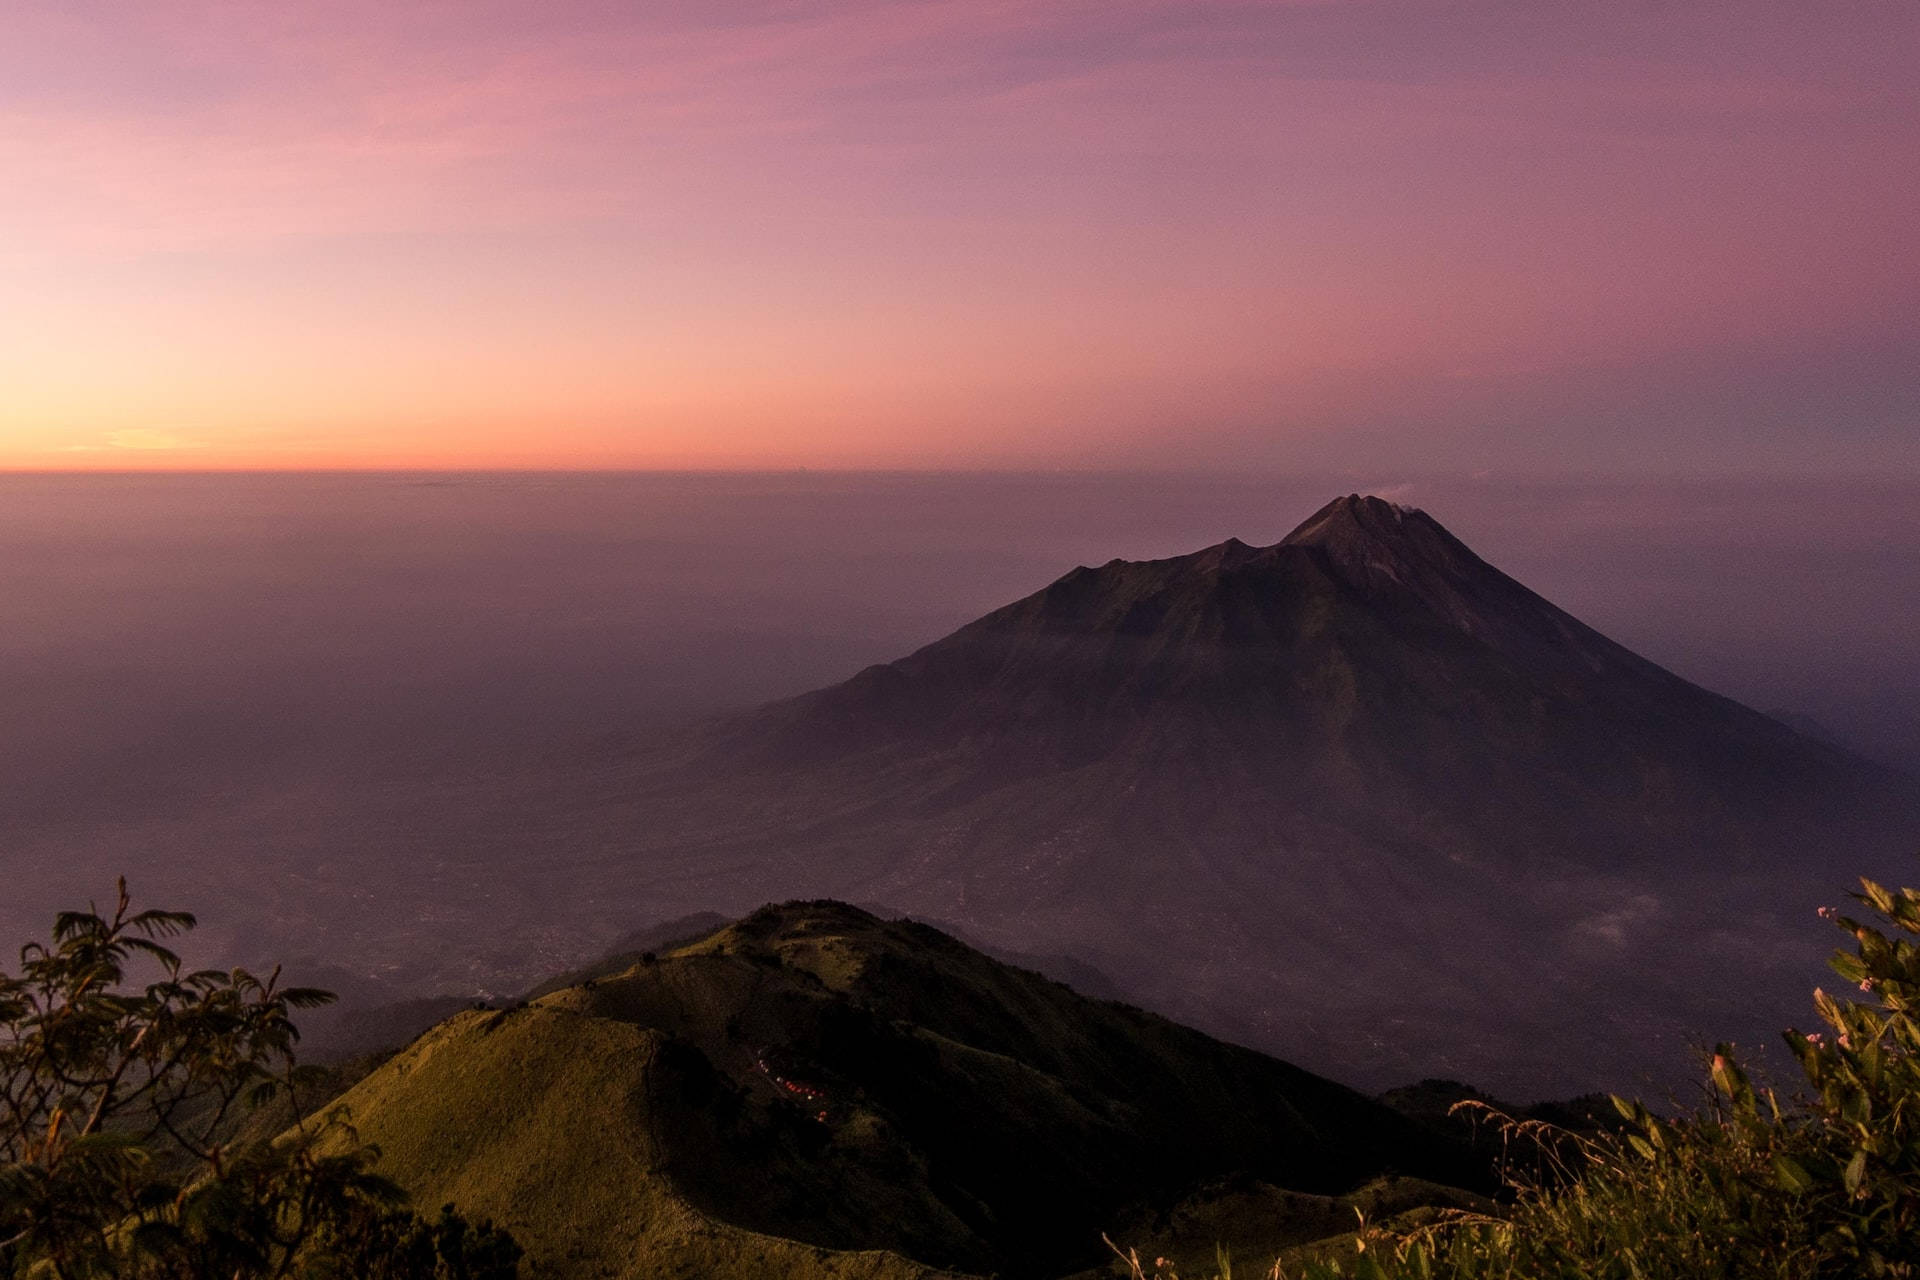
[
  {"x": 952, "y": 640},
  {"x": 1356, "y": 799},
  {"x": 480, "y": 740}
]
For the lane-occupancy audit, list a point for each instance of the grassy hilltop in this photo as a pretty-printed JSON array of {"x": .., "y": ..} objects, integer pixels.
[{"x": 812, "y": 1091}]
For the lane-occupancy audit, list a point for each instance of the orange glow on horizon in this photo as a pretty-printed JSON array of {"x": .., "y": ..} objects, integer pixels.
[{"x": 955, "y": 234}]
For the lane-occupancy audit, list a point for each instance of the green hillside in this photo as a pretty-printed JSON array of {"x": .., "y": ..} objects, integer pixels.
[
  {"x": 563, "y": 1126},
  {"x": 815, "y": 1092}
]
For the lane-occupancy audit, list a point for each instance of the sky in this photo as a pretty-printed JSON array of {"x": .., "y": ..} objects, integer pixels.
[{"x": 1624, "y": 238}]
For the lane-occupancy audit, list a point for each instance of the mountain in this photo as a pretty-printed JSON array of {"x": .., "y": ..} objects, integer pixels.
[
  {"x": 1366, "y": 666},
  {"x": 812, "y": 1091},
  {"x": 1357, "y": 797}
]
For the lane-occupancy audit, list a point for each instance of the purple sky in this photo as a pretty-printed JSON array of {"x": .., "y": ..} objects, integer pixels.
[{"x": 1631, "y": 237}]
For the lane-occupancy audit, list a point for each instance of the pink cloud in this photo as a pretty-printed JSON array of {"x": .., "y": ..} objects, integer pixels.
[{"x": 1318, "y": 212}]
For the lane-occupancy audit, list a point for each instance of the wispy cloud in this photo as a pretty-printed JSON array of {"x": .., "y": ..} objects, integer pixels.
[{"x": 142, "y": 439}]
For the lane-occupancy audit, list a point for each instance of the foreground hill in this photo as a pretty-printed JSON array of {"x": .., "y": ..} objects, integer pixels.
[
  {"x": 815, "y": 1092},
  {"x": 1357, "y": 797}
]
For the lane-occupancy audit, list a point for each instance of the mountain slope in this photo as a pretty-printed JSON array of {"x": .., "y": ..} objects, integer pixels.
[
  {"x": 815, "y": 1092},
  {"x": 1367, "y": 667},
  {"x": 1324, "y": 796}
]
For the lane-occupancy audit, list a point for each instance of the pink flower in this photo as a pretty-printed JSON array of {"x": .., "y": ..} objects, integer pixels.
[{"x": 1827, "y": 913}]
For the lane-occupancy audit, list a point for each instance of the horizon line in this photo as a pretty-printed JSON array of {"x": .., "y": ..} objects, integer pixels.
[{"x": 1379, "y": 476}]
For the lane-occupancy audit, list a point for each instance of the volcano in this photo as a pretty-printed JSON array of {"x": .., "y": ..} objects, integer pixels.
[{"x": 1357, "y": 798}]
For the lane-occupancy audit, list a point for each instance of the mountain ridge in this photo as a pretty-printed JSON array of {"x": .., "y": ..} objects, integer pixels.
[{"x": 814, "y": 1091}]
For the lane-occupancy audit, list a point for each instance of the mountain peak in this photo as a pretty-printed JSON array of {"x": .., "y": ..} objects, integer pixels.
[
  {"x": 1356, "y": 518},
  {"x": 1376, "y": 538}
]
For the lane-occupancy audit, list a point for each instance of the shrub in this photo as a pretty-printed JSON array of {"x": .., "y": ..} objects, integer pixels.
[
  {"x": 1826, "y": 1184},
  {"x": 134, "y": 1133}
]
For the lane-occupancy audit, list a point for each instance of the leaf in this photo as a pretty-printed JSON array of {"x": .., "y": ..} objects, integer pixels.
[
  {"x": 1367, "y": 1267},
  {"x": 1848, "y": 965},
  {"x": 1876, "y": 896},
  {"x": 307, "y": 997},
  {"x": 164, "y": 924},
  {"x": 154, "y": 949},
  {"x": 1792, "y": 1175},
  {"x": 1855, "y": 1172},
  {"x": 1729, "y": 1078}
]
